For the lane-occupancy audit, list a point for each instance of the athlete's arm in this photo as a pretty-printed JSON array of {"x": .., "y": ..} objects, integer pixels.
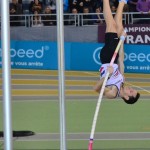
[
  {"x": 121, "y": 59},
  {"x": 99, "y": 84},
  {"x": 97, "y": 87},
  {"x": 121, "y": 55},
  {"x": 108, "y": 92}
]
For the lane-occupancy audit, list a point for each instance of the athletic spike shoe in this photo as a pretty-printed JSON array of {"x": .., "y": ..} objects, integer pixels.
[{"x": 125, "y": 1}]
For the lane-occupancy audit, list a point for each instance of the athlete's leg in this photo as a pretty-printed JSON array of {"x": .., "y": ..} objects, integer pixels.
[
  {"x": 110, "y": 22},
  {"x": 118, "y": 17},
  {"x": 120, "y": 31}
]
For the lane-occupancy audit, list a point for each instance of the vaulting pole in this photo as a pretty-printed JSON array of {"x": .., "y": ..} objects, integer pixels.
[
  {"x": 6, "y": 75},
  {"x": 61, "y": 68}
]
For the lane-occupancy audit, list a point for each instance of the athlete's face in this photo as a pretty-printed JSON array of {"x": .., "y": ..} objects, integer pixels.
[{"x": 128, "y": 91}]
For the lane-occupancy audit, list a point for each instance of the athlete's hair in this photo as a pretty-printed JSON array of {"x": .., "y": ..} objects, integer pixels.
[{"x": 131, "y": 99}]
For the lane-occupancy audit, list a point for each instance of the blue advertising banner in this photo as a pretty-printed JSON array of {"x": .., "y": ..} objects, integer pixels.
[
  {"x": 85, "y": 56},
  {"x": 35, "y": 55},
  {"x": 137, "y": 58},
  {"x": 78, "y": 56}
]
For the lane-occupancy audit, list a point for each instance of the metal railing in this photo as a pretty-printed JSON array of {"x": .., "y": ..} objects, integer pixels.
[{"x": 80, "y": 19}]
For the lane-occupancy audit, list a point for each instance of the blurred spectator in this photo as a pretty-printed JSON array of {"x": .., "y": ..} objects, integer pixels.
[
  {"x": 97, "y": 19},
  {"x": 66, "y": 10},
  {"x": 65, "y": 5},
  {"x": 35, "y": 8},
  {"x": 20, "y": 1},
  {"x": 126, "y": 8},
  {"x": 15, "y": 9},
  {"x": 143, "y": 6},
  {"x": 126, "y": 17},
  {"x": 97, "y": 4},
  {"x": 48, "y": 19},
  {"x": 87, "y": 18},
  {"x": 83, "y": 3},
  {"x": 114, "y": 3},
  {"x": 72, "y": 4},
  {"x": 132, "y": 8},
  {"x": 80, "y": 6},
  {"x": 113, "y": 8},
  {"x": 132, "y": 5},
  {"x": 88, "y": 3},
  {"x": 73, "y": 18},
  {"x": 35, "y": 5},
  {"x": 53, "y": 6},
  {"x": 36, "y": 22}
]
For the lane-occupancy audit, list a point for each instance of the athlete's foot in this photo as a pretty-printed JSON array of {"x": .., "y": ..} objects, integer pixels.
[{"x": 125, "y": 1}]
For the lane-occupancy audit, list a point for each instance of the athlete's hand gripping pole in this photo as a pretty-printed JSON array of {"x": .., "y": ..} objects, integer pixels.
[{"x": 90, "y": 146}]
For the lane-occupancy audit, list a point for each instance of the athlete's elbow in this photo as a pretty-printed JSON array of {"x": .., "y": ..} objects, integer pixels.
[
  {"x": 110, "y": 95},
  {"x": 96, "y": 89}
]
